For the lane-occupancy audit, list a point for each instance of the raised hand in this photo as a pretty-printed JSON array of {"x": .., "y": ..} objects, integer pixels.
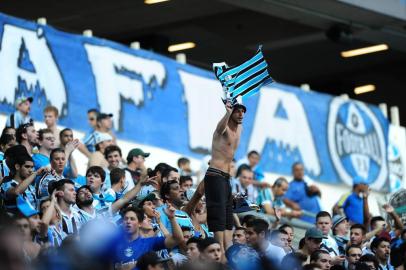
[
  {"x": 71, "y": 146},
  {"x": 170, "y": 211},
  {"x": 388, "y": 208},
  {"x": 43, "y": 170},
  {"x": 229, "y": 107}
]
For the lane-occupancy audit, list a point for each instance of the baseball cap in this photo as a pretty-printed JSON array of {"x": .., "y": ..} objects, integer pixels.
[
  {"x": 337, "y": 219},
  {"x": 101, "y": 137},
  {"x": 137, "y": 152},
  {"x": 101, "y": 116},
  {"x": 150, "y": 258},
  {"x": 22, "y": 99},
  {"x": 238, "y": 105},
  {"x": 150, "y": 197},
  {"x": 315, "y": 233}
]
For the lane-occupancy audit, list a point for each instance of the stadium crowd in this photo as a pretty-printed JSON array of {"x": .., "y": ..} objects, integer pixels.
[{"x": 123, "y": 215}]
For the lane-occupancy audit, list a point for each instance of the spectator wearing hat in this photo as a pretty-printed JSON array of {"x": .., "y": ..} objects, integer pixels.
[
  {"x": 312, "y": 242},
  {"x": 27, "y": 136},
  {"x": 102, "y": 141},
  {"x": 21, "y": 115},
  {"x": 135, "y": 163},
  {"x": 341, "y": 228},
  {"x": 257, "y": 231},
  {"x": 105, "y": 124},
  {"x": 151, "y": 261}
]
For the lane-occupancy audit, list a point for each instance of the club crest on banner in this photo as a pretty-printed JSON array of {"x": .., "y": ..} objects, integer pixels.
[{"x": 356, "y": 143}]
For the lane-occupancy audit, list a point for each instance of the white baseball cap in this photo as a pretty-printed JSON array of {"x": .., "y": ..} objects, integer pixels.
[{"x": 102, "y": 137}]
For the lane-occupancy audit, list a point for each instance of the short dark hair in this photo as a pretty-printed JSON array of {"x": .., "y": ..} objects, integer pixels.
[
  {"x": 370, "y": 258},
  {"x": 243, "y": 167},
  {"x": 296, "y": 164},
  {"x": 168, "y": 170},
  {"x": 283, "y": 226},
  {"x": 377, "y": 241},
  {"x": 259, "y": 225},
  {"x": 21, "y": 130},
  {"x": 55, "y": 151},
  {"x": 359, "y": 226},
  {"x": 185, "y": 229},
  {"x": 160, "y": 167},
  {"x": 115, "y": 175},
  {"x": 316, "y": 254},
  {"x": 43, "y": 131},
  {"x": 166, "y": 188},
  {"x": 185, "y": 178},
  {"x": 253, "y": 152},
  {"x": 138, "y": 211},
  {"x": 193, "y": 240},
  {"x": 350, "y": 247},
  {"x": 204, "y": 243},
  {"x": 182, "y": 161},
  {"x": 110, "y": 149},
  {"x": 247, "y": 218},
  {"x": 278, "y": 182},
  {"x": 240, "y": 229},
  {"x": 322, "y": 214},
  {"x": 97, "y": 169},
  {"x": 20, "y": 160},
  {"x": 93, "y": 110},
  {"x": 60, "y": 184},
  {"x": 6, "y": 138},
  {"x": 375, "y": 219},
  {"x": 63, "y": 131}
]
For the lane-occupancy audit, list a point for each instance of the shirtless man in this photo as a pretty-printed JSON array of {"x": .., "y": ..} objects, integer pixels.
[{"x": 217, "y": 179}]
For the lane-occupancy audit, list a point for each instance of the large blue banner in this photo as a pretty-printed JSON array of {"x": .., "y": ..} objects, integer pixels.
[{"x": 159, "y": 102}]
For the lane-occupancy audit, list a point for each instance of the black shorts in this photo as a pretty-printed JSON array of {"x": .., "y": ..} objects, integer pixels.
[{"x": 219, "y": 201}]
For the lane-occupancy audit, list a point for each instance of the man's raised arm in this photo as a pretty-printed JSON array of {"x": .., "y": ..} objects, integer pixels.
[{"x": 222, "y": 125}]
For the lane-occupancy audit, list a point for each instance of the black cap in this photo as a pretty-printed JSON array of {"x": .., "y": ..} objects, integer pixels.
[
  {"x": 150, "y": 258},
  {"x": 238, "y": 106},
  {"x": 102, "y": 116}
]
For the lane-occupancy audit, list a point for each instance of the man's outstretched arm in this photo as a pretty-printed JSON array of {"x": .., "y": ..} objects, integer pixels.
[{"x": 222, "y": 125}]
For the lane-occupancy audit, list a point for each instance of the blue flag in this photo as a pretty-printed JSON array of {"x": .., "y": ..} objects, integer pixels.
[{"x": 245, "y": 79}]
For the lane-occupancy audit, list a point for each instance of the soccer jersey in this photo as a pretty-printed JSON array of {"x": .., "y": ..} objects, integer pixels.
[
  {"x": 182, "y": 219},
  {"x": 126, "y": 252},
  {"x": 56, "y": 235},
  {"x": 42, "y": 184},
  {"x": 129, "y": 183},
  {"x": 16, "y": 119},
  {"x": 40, "y": 160},
  {"x": 10, "y": 202},
  {"x": 71, "y": 223}
]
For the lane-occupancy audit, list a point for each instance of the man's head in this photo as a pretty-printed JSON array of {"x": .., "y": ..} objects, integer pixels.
[
  {"x": 298, "y": 170},
  {"x": 289, "y": 230},
  {"x": 23, "y": 104},
  {"x": 187, "y": 233},
  {"x": 58, "y": 160},
  {"x": 132, "y": 219},
  {"x": 323, "y": 222},
  {"x": 186, "y": 182},
  {"x": 253, "y": 158},
  {"x": 113, "y": 156},
  {"x": 256, "y": 232},
  {"x": 117, "y": 177},
  {"x": 92, "y": 117},
  {"x": 381, "y": 247},
  {"x": 137, "y": 157},
  {"x": 23, "y": 225},
  {"x": 210, "y": 250},
  {"x": 66, "y": 191},
  {"x": 184, "y": 164},
  {"x": 95, "y": 177},
  {"x": 279, "y": 238},
  {"x": 27, "y": 133},
  {"x": 65, "y": 136},
  {"x": 170, "y": 173},
  {"x": 24, "y": 166},
  {"x": 245, "y": 175},
  {"x": 102, "y": 141},
  {"x": 84, "y": 196},
  {"x": 147, "y": 204},
  {"x": 313, "y": 239},
  {"x": 353, "y": 254},
  {"x": 370, "y": 260},
  {"x": 357, "y": 234},
  {"x": 51, "y": 115},
  {"x": 150, "y": 261},
  {"x": 46, "y": 139},
  {"x": 238, "y": 114},
  {"x": 322, "y": 258},
  {"x": 239, "y": 236},
  {"x": 192, "y": 250},
  {"x": 341, "y": 226},
  {"x": 104, "y": 121},
  {"x": 171, "y": 192},
  {"x": 280, "y": 186},
  {"x": 377, "y": 222},
  {"x": 7, "y": 141}
]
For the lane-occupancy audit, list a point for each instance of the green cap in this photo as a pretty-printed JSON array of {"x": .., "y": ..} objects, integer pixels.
[
  {"x": 314, "y": 233},
  {"x": 137, "y": 152}
]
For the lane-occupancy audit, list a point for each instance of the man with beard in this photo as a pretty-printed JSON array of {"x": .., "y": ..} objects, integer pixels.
[
  {"x": 217, "y": 186},
  {"x": 27, "y": 136}
]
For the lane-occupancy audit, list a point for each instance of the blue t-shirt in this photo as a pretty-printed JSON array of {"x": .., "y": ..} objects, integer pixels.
[
  {"x": 126, "y": 252},
  {"x": 40, "y": 160},
  {"x": 182, "y": 218},
  {"x": 297, "y": 193},
  {"x": 354, "y": 208}
]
